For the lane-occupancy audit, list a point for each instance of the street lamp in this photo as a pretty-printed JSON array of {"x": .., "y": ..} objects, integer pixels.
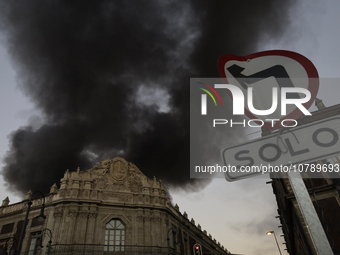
[
  {"x": 4, "y": 250},
  {"x": 272, "y": 232},
  {"x": 49, "y": 234},
  {"x": 41, "y": 217}
]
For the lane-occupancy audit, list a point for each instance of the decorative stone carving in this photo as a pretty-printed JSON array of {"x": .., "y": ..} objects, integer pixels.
[
  {"x": 72, "y": 213},
  {"x": 101, "y": 168},
  {"x": 54, "y": 188},
  {"x": 155, "y": 219},
  {"x": 124, "y": 198},
  {"x": 140, "y": 218},
  {"x": 113, "y": 175},
  {"x": 58, "y": 214},
  {"x": 135, "y": 185},
  {"x": 116, "y": 186},
  {"x": 106, "y": 196},
  {"x": 185, "y": 215},
  {"x": 100, "y": 183},
  {"x": 83, "y": 214},
  {"x": 118, "y": 169},
  {"x": 5, "y": 202},
  {"x": 86, "y": 193},
  {"x": 92, "y": 214}
]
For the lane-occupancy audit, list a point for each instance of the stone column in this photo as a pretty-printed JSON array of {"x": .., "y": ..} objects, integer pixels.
[
  {"x": 91, "y": 225},
  {"x": 147, "y": 228},
  {"x": 82, "y": 222},
  {"x": 58, "y": 225},
  {"x": 72, "y": 216},
  {"x": 156, "y": 233},
  {"x": 140, "y": 227}
]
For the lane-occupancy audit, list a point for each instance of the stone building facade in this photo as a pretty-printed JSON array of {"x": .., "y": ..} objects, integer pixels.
[{"x": 110, "y": 208}]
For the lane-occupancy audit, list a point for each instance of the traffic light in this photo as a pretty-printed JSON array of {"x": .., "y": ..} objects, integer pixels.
[{"x": 198, "y": 249}]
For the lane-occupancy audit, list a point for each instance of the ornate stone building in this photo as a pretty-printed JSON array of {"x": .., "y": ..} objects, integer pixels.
[{"x": 112, "y": 207}]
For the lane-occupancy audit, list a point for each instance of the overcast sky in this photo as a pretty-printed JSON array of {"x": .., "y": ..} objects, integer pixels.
[{"x": 236, "y": 214}]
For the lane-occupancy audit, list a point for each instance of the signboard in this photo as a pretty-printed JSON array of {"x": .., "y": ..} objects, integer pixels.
[
  {"x": 267, "y": 73},
  {"x": 308, "y": 143}
]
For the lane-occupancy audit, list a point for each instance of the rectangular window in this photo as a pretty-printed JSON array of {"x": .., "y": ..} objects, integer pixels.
[
  {"x": 8, "y": 228},
  {"x": 35, "y": 240}
]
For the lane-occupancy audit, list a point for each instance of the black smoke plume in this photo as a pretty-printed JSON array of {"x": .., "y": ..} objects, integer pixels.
[{"x": 111, "y": 78}]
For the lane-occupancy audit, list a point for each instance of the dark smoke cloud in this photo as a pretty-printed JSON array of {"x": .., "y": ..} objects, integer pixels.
[{"x": 85, "y": 64}]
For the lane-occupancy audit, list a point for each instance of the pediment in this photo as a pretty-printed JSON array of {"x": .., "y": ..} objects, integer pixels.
[{"x": 117, "y": 174}]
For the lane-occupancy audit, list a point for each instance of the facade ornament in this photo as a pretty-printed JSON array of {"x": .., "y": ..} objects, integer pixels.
[
  {"x": 135, "y": 185},
  {"x": 54, "y": 188},
  {"x": 123, "y": 198},
  {"x": 92, "y": 214},
  {"x": 5, "y": 202},
  {"x": 140, "y": 218},
  {"x": 28, "y": 195},
  {"x": 185, "y": 215},
  {"x": 58, "y": 213},
  {"x": 118, "y": 169},
  {"x": 72, "y": 213},
  {"x": 155, "y": 219},
  {"x": 83, "y": 214}
]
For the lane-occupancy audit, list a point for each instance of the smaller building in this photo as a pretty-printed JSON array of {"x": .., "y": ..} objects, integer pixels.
[
  {"x": 324, "y": 192},
  {"x": 110, "y": 208}
]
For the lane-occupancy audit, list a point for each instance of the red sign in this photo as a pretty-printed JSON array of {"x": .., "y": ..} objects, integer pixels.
[{"x": 264, "y": 70}]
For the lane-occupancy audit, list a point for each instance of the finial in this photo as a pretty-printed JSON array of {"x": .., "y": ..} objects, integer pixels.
[
  {"x": 54, "y": 188},
  {"x": 66, "y": 174},
  {"x": 5, "y": 202},
  {"x": 185, "y": 214},
  {"x": 28, "y": 195}
]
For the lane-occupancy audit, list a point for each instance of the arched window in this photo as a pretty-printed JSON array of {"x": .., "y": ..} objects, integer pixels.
[{"x": 114, "y": 236}]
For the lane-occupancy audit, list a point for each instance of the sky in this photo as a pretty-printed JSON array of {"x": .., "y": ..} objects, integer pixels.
[{"x": 236, "y": 214}]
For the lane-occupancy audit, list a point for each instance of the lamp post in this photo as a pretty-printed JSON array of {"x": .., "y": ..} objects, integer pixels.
[
  {"x": 272, "y": 232},
  {"x": 4, "y": 250},
  {"x": 47, "y": 232},
  {"x": 41, "y": 217}
]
